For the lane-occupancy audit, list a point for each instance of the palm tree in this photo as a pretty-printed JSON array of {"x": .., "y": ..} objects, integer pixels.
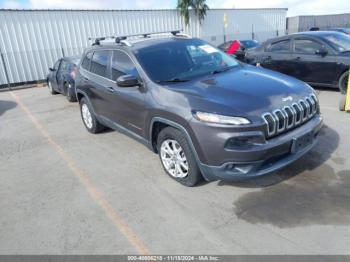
[{"x": 199, "y": 6}]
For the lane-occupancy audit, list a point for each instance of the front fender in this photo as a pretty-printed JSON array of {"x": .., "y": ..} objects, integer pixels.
[{"x": 181, "y": 124}]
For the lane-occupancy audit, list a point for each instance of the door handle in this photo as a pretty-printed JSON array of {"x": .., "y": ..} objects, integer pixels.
[
  {"x": 111, "y": 89},
  {"x": 297, "y": 58}
]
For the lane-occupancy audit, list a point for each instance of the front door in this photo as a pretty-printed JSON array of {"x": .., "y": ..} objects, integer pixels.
[
  {"x": 127, "y": 106},
  {"x": 53, "y": 79},
  {"x": 310, "y": 65}
]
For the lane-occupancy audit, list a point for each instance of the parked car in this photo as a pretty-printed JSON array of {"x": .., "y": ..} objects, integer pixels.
[
  {"x": 320, "y": 58},
  {"x": 341, "y": 30},
  {"x": 244, "y": 46},
  {"x": 204, "y": 113},
  {"x": 61, "y": 78}
]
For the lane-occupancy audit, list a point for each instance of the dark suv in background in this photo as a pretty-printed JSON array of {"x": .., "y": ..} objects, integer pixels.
[
  {"x": 61, "y": 78},
  {"x": 203, "y": 112}
]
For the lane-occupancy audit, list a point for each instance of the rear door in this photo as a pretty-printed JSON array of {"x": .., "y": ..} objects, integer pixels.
[
  {"x": 277, "y": 56},
  {"x": 62, "y": 75},
  {"x": 100, "y": 85},
  {"x": 310, "y": 66}
]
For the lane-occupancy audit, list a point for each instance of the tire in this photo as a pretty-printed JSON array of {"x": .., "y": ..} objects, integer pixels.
[
  {"x": 70, "y": 92},
  {"x": 51, "y": 90},
  {"x": 343, "y": 82},
  {"x": 342, "y": 103},
  {"x": 193, "y": 175},
  {"x": 89, "y": 119}
]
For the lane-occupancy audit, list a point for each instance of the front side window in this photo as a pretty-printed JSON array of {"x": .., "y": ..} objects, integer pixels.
[
  {"x": 86, "y": 62},
  {"x": 63, "y": 66},
  {"x": 280, "y": 47},
  {"x": 122, "y": 65},
  {"x": 99, "y": 63},
  {"x": 182, "y": 60},
  {"x": 306, "y": 46}
]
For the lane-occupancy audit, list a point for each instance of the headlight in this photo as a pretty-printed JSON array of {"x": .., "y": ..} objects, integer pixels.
[{"x": 219, "y": 119}]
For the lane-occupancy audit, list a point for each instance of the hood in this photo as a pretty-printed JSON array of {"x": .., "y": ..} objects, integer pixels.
[{"x": 245, "y": 90}]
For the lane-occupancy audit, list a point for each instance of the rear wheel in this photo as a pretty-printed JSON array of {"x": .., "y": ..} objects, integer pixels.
[
  {"x": 89, "y": 119},
  {"x": 70, "y": 92},
  {"x": 343, "y": 82},
  {"x": 177, "y": 157},
  {"x": 52, "y": 91}
]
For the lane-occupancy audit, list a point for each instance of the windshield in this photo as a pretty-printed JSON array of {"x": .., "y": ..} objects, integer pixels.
[
  {"x": 182, "y": 60},
  {"x": 249, "y": 43},
  {"x": 340, "y": 42}
]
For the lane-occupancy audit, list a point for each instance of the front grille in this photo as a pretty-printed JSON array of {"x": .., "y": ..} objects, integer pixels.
[{"x": 289, "y": 117}]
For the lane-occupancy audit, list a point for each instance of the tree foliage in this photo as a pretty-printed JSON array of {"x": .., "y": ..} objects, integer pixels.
[{"x": 198, "y": 6}]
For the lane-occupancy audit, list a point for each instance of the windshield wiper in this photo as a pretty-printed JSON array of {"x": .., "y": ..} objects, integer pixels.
[
  {"x": 173, "y": 80},
  {"x": 224, "y": 69}
]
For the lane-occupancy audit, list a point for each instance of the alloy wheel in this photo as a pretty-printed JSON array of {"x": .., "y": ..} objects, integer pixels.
[
  {"x": 174, "y": 158},
  {"x": 86, "y": 116}
]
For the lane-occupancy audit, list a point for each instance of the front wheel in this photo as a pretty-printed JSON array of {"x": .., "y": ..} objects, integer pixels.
[
  {"x": 343, "y": 82},
  {"x": 89, "y": 119},
  {"x": 177, "y": 157}
]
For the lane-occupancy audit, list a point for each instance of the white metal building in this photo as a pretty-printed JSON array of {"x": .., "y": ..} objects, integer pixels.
[
  {"x": 31, "y": 40},
  {"x": 304, "y": 23}
]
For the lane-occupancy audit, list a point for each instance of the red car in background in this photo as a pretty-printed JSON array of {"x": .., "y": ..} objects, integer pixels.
[{"x": 239, "y": 47}]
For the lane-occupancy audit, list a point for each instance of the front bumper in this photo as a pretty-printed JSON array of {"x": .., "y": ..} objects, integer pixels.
[{"x": 270, "y": 157}]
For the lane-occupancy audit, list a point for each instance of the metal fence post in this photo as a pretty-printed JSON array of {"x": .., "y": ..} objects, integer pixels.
[{"x": 5, "y": 69}]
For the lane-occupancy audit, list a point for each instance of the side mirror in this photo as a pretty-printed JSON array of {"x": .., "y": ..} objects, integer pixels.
[
  {"x": 322, "y": 51},
  {"x": 51, "y": 69},
  {"x": 128, "y": 81}
]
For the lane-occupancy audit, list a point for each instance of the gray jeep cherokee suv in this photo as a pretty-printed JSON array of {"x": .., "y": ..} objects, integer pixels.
[{"x": 205, "y": 114}]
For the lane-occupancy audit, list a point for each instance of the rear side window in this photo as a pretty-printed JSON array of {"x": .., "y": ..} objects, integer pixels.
[
  {"x": 86, "y": 62},
  {"x": 99, "y": 63},
  {"x": 280, "y": 47},
  {"x": 306, "y": 46},
  {"x": 122, "y": 65}
]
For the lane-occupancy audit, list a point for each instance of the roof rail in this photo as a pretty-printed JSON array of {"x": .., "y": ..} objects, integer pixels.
[{"x": 122, "y": 39}]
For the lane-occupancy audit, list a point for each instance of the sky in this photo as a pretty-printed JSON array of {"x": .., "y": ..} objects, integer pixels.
[{"x": 295, "y": 7}]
